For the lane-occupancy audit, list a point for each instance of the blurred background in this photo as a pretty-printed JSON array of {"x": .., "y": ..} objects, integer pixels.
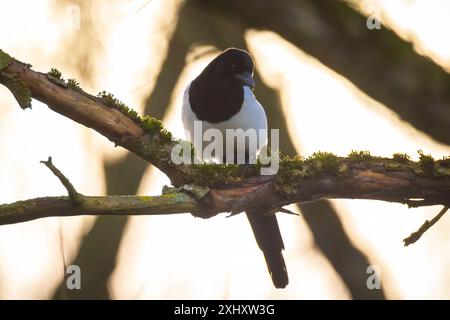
[{"x": 333, "y": 75}]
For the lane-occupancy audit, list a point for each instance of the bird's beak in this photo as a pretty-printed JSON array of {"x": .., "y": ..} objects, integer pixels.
[{"x": 246, "y": 79}]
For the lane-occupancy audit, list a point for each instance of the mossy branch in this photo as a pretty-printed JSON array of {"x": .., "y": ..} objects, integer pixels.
[
  {"x": 207, "y": 189},
  {"x": 27, "y": 210}
]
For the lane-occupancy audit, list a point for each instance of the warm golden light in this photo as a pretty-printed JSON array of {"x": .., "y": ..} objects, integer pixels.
[{"x": 181, "y": 256}]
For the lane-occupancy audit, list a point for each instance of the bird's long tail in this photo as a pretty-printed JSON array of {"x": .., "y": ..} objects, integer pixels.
[{"x": 268, "y": 236}]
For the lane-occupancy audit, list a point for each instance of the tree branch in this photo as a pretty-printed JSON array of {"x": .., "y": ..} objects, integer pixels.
[
  {"x": 37, "y": 208},
  {"x": 74, "y": 196},
  {"x": 101, "y": 114},
  {"x": 360, "y": 180},
  {"x": 424, "y": 228},
  {"x": 206, "y": 190}
]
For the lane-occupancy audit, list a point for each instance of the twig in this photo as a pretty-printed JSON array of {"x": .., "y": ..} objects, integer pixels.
[
  {"x": 427, "y": 225},
  {"x": 74, "y": 196},
  {"x": 284, "y": 210}
]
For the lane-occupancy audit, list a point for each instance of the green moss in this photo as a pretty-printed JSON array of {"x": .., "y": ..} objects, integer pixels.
[
  {"x": 151, "y": 125},
  {"x": 426, "y": 161},
  {"x": 295, "y": 162},
  {"x": 5, "y": 60},
  {"x": 74, "y": 84},
  {"x": 145, "y": 198},
  {"x": 20, "y": 91},
  {"x": 394, "y": 166},
  {"x": 319, "y": 162},
  {"x": 359, "y": 155},
  {"x": 342, "y": 170},
  {"x": 154, "y": 126},
  {"x": 400, "y": 161},
  {"x": 293, "y": 170},
  {"x": 169, "y": 189},
  {"x": 442, "y": 171},
  {"x": 427, "y": 166},
  {"x": 199, "y": 192},
  {"x": 323, "y": 161},
  {"x": 419, "y": 171},
  {"x": 55, "y": 73},
  {"x": 445, "y": 161},
  {"x": 170, "y": 195},
  {"x": 111, "y": 101},
  {"x": 401, "y": 157},
  {"x": 210, "y": 173},
  {"x": 55, "y": 76}
]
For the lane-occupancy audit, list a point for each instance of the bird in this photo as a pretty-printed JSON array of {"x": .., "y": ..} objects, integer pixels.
[{"x": 222, "y": 97}]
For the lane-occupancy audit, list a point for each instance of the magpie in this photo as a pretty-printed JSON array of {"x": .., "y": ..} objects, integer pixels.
[{"x": 221, "y": 98}]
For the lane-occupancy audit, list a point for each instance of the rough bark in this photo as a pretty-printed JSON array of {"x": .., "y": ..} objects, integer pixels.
[{"x": 368, "y": 179}]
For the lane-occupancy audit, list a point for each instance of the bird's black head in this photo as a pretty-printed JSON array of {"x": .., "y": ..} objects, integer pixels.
[
  {"x": 218, "y": 92},
  {"x": 233, "y": 66}
]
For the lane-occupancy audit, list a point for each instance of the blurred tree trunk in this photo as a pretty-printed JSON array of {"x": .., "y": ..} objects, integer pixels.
[
  {"x": 97, "y": 254},
  {"x": 379, "y": 62}
]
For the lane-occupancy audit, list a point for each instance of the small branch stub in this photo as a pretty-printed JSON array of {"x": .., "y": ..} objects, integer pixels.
[
  {"x": 74, "y": 196},
  {"x": 427, "y": 225}
]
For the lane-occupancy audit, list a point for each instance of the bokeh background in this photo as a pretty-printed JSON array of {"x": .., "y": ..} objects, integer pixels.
[{"x": 327, "y": 81}]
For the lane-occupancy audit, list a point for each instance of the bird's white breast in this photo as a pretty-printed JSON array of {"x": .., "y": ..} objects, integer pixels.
[{"x": 250, "y": 116}]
